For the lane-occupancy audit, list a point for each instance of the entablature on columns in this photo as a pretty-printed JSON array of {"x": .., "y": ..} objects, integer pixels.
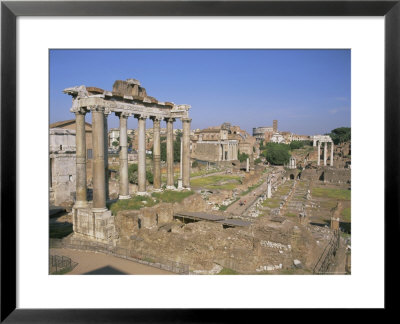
[
  {"x": 85, "y": 98},
  {"x": 322, "y": 138}
]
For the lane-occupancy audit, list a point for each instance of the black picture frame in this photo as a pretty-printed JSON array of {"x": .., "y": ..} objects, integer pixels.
[{"x": 10, "y": 10}]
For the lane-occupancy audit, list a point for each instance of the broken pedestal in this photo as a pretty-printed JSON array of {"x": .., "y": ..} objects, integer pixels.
[{"x": 95, "y": 223}]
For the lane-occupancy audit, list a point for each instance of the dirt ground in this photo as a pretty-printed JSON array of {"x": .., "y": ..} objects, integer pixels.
[{"x": 103, "y": 264}]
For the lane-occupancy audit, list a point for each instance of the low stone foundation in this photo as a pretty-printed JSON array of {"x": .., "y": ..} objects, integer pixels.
[
  {"x": 337, "y": 175},
  {"x": 98, "y": 225}
]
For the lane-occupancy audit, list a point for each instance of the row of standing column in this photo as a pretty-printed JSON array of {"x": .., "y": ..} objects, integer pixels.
[
  {"x": 325, "y": 153},
  {"x": 100, "y": 158},
  {"x": 231, "y": 150}
]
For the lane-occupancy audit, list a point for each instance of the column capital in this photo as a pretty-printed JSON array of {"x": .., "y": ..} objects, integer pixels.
[
  {"x": 141, "y": 116},
  {"x": 107, "y": 111},
  {"x": 156, "y": 118},
  {"x": 96, "y": 108},
  {"x": 79, "y": 111},
  {"x": 122, "y": 114},
  {"x": 186, "y": 120},
  {"x": 169, "y": 119}
]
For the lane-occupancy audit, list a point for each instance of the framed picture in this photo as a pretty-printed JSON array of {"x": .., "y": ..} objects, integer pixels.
[{"x": 32, "y": 30}]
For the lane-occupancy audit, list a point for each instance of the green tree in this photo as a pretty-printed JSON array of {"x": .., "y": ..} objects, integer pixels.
[
  {"x": 130, "y": 140},
  {"x": 277, "y": 154},
  {"x": 163, "y": 151},
  {"x": 296, "y": 145},
  {"x": 340, "y": 135},
  {"x": 242, "y": 156},
  {"x": 176, "y": 149},
  {"x": 133, "y": 174},
  {"x": 115, "y": 144}
]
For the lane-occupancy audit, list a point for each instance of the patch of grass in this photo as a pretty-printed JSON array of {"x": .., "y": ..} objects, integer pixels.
[
  {"x": 170, "y": 196},
  {"x": 340, "y": 194},
  {"x": 302, "y": 184},
  {"x": 135, "y": 202},
  {"x": 223, "y": 182},
  {"x": 290, "y": 215},
  {"x": 227, "y": 271},
  {"x": 203, "y": 172},
  {"x": 114, "y": 167},
  {"x": 328, "y": 204},
  {"x": 251, "y": 188},
  {"x": 345, "y": 235},
  {"x": 272, "y": 203},
  {"x": 287, "y": 271},
  {"x": 149, "y": 260},
  {"x": 223, "y": 207},
  {"x": 346, "y": 213},
  {"x": 164, "y": 177},
  {"x": 59, "y": 231}
]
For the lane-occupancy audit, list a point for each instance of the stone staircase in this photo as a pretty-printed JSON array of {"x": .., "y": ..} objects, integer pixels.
[{"x": 297, "y": 203}]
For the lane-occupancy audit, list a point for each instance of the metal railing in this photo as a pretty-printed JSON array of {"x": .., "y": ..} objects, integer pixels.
[
  {"x": 327, "y": 256},
  {"x": 128, "y": 254},
  {"x": 60, "y": 264}
]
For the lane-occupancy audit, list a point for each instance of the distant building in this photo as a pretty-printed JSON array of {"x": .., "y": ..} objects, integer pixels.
[
  {"x": 62, "y": 166},
  {"x": 222, "y": 143},
  {"x": 71, "y": 125},
  {"x": 113, "y": 136},
  {"x": 271, "y": 134},
  {"x": 277, "y": 138},
  {"x": 214, "y": 145},
  {"x": 264, "y": 133}
]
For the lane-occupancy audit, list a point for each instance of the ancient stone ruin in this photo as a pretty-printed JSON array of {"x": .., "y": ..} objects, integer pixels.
[{"x": 127, "y": 98}]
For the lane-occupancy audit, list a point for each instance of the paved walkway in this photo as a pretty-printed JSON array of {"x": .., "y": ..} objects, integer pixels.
[
  {"x": 249, "y": 198},
  {"x": 212, "y": 174},
  {"x": 100, "y": 263}
]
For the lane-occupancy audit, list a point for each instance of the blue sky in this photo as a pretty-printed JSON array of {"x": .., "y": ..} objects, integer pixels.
[{"x": 308, "y": 91}]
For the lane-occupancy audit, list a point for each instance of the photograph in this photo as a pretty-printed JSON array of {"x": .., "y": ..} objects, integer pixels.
[{"x": 199, "y": 161}]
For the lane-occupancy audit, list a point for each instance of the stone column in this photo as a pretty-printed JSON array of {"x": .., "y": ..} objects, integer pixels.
[
  {"x": 106, "y": 113},
  {"x": 319, "y": 153},
  {"x": 247, "y": 165},
  {"x": 123, "y": 157},
  {"x": 99, "y": 183},
  {"x": 325, "y": 151},
  {"x": 142, "y": 155},
  {"x": 170, "y": 153},
  {"x": 269, "y": 188},
  {"x": 81, "y": 197},
  {"x": 331, "y": 153},
  {"x": 156, "y": 154},
  {"x": 186, "y": 152},
  {"x": 180, "y": 184}
]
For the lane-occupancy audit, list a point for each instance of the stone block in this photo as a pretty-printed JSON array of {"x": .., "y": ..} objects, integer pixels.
[
  {"x": 148, "y": 217},
  {"x": 165, "y": 213}
]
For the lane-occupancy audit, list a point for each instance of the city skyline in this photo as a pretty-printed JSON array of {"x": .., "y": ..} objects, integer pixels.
[{"x": 307, "y": 91}]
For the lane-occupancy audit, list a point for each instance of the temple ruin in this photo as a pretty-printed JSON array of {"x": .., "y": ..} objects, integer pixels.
[
  {"x": 317, "y": 140},
  {"x": 127, "y": 98}
]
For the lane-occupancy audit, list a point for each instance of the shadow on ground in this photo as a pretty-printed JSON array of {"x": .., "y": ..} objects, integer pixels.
[{"x": 107, "y": 270}]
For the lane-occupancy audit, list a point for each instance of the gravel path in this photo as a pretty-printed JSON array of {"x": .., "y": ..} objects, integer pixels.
[{"x": 100, "y": 263}]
